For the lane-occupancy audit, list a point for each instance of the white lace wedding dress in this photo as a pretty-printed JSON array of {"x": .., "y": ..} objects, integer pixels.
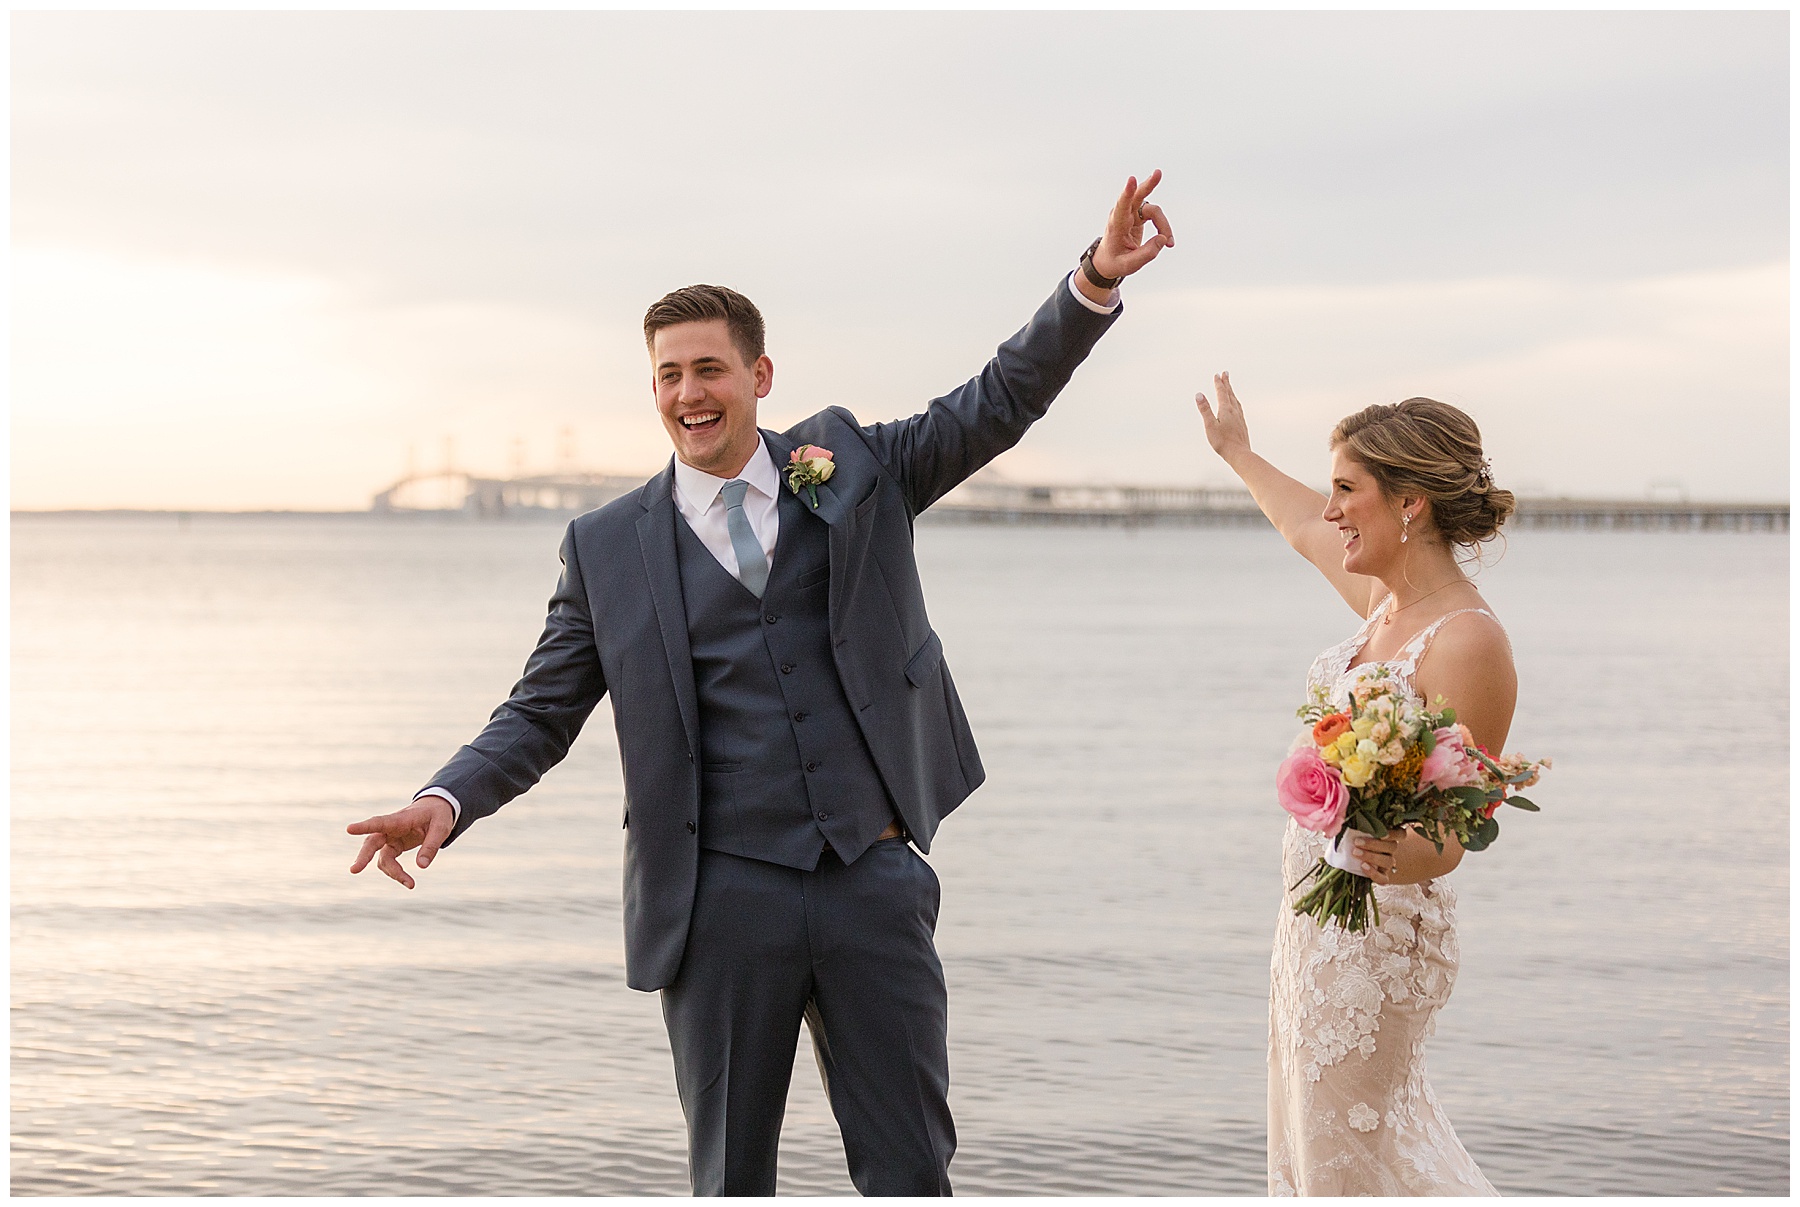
[{"x": 1350, "y": 1110}]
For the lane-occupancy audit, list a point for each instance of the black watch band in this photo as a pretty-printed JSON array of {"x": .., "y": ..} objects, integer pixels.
[{"x": 1093, "y": 274}]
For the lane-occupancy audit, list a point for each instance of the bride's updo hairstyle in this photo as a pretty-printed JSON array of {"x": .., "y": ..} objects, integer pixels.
[{"x": 1429, "y": 448}]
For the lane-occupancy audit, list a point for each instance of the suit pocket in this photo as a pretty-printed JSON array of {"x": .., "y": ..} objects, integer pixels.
[
  {"x": 935, "y": 890},
  {"x": 720, "y": 768},
  {"x": 924, "y": 661},
  {"x": 863, "y": 508},
  {"x": 813, "y": 578}
]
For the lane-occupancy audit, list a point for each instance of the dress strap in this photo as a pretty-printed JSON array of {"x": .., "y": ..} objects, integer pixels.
[{"x": 1421, "y": 642}]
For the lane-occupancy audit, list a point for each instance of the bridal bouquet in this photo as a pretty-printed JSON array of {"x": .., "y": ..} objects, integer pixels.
[{"x": 1382, "y": 764}]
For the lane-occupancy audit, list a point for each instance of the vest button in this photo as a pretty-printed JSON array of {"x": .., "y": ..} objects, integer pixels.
[
  {"x": 769, "y": 618},
  {"x": 812, "y": 766},
  {"x": 690, "y": 827},
  {"x": 824, "y": 816},
  {"x": 800, "y": 716},
  {"x": 787, "y": 668}
]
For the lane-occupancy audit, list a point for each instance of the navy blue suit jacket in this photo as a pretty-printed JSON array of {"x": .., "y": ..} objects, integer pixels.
[{"x": 617, "y": 623}]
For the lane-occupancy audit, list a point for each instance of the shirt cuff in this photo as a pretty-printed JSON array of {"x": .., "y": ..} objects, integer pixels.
[
  {"x": 444, "y": 794},
  {"x": 1112, "y": 299}
]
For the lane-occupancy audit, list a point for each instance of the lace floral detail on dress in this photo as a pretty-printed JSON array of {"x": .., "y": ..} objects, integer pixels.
[{"x": 1350, "y": 1109}]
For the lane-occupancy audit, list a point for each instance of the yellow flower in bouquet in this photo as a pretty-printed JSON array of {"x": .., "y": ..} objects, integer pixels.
[{"x": 1359, "y": 769}]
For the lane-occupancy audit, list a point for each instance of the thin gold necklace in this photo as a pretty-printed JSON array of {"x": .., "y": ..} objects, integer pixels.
[{"x": 1393, "y": 612}]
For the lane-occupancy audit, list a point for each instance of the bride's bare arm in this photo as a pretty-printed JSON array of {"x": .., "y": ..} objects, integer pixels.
[
  {"x": 1469, "y": 663},
  {"x": 1471, "y": 666},
  {"x": 1296, "y": 509}
]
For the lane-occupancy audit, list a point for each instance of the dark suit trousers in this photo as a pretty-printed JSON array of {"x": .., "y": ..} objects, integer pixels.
[{"x": 851, "y": 949}]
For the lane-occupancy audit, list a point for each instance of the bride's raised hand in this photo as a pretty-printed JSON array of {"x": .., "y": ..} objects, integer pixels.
[{"x": 1226, "y": 430}]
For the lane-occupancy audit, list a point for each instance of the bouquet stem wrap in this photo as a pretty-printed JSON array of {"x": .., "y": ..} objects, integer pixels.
[{"x": 1338, "y": 894}]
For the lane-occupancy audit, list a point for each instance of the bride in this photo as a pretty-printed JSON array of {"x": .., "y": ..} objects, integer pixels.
[{"x": 1350, "y": 1110}]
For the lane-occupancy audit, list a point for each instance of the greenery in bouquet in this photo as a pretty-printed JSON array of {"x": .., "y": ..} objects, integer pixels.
[{"x": 1382, "y": 763}]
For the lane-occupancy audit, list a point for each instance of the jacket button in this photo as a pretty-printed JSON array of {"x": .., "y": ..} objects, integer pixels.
[
  {"x": 800, "y": 716},
  {"x": 812, "y": 766},
  {"x": 823, "y": 816},
  {"x": 769, "y": 619},
  {"x": 787, "y": 668},
  {"x": 690, "y": 827}
]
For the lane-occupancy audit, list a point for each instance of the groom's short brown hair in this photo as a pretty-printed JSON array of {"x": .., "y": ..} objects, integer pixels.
[{"x": 700, "y": 303}]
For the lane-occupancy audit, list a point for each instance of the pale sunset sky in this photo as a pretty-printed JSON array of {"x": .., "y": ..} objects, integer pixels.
[{"x": 257, "y": 257}]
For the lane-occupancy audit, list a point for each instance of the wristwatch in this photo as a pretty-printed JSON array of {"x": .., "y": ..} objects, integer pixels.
[{"x": 1093, "y": 274}]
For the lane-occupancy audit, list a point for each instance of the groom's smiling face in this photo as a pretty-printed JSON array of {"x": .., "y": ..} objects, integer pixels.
[{"x": 706, "y": 394}]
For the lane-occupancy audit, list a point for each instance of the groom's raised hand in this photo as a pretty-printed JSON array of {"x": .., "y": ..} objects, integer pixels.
[
  {"x": 1123, "y": 249},
  {"x": 424, "y": 824}
]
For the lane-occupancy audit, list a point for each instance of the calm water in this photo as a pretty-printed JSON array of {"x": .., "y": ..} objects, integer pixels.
[{"x": 205, "y": 1002}]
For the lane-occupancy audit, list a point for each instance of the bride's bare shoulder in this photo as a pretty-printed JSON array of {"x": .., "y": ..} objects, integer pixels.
[
  {"x": 1470, "y": 653},
  {"x": 1471, "y": 635}
]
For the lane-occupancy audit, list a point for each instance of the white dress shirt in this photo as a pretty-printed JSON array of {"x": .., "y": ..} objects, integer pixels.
[
  {"x": 1112, "y": 299},
  {"x": 697, "y": 499}
]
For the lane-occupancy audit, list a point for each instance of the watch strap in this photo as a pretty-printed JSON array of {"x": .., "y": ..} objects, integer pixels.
[{"x": 1093, "y": 274}]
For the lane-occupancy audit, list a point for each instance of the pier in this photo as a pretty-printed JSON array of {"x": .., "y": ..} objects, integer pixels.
[
  {"x": 989, "y": 499},
  {"x": 1650, "y": 516},
  {"x": 986, "y": 500}
]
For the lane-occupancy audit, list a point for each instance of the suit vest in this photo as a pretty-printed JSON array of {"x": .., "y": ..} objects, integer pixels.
[{"x": 784, "y": 768}]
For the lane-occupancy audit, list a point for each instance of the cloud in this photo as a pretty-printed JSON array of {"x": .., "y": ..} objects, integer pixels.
[
  {"x": 1580, "y": 387},
  {"x": 376, "y": 230}
]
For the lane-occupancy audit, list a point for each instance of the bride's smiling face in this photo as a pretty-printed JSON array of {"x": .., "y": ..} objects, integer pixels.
[{"x": 1367, "y": 519}]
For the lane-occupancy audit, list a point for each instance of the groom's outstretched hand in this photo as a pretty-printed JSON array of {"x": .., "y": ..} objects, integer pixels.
[
  {"x": 1123, "y": 249},
  {"x": 424, "y": 824}
]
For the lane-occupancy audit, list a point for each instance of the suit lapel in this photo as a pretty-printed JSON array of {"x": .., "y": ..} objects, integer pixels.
[
  {"x": 831, "y": 509},
  {"x": 656, "y": 541}
]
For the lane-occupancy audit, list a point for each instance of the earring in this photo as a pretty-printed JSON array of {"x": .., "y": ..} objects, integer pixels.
[{"x": 1405, "y": 521}]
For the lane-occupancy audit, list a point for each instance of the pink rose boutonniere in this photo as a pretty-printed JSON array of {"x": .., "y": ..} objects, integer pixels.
[{"x": 809, "y": 466}]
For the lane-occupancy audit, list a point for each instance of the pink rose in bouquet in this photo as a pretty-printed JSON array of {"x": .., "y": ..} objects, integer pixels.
[
  {"x": 1313, "y": 791},
  {"x": 1449, "y": 765}
]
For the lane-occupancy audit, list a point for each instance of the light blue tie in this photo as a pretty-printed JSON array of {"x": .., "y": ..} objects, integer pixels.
[{"x": 753, "y": 567}]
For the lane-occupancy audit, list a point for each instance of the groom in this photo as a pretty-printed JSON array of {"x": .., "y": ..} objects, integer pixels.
[{"x": 786, "y": 723}]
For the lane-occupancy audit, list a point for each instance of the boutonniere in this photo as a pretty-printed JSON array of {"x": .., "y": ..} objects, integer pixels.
[{"x": 808, "y": 466}]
